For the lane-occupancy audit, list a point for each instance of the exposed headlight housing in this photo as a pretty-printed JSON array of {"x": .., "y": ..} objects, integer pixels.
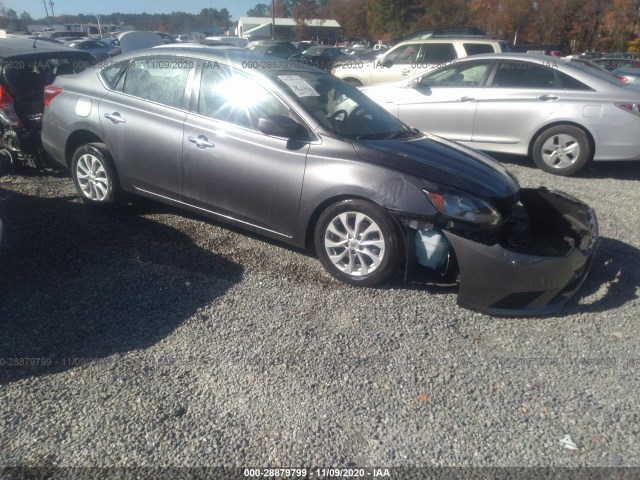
[{"x": 465, "y": 207}]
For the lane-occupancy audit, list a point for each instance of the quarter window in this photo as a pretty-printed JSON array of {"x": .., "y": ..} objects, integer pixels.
[{"x": 161, "y": 80}]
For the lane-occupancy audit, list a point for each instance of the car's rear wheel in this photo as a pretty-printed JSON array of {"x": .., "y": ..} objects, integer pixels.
[
  {"x": 357, "y": 242},
  {"x": 353, "y": 81},
  {"x": 94, "y": 175},
  {"x": 562, "y": 150}
]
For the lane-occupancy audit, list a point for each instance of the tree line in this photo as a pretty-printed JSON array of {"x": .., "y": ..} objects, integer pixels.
[
  {"x": 175, "y": 22},
  {"x": 607, "y": 25}
]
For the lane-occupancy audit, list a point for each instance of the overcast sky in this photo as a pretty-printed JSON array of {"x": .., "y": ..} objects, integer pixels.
[{"x": 35, "y": 8}]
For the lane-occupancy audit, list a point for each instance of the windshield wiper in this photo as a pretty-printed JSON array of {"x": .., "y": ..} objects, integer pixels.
[{"x": 403, "y": 133}]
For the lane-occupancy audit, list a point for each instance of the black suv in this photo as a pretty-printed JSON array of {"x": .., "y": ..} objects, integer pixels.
[{"x": 26, "y": 67}]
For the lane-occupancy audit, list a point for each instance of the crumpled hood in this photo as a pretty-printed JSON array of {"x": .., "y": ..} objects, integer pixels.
[{"x": 444, "y": 162}]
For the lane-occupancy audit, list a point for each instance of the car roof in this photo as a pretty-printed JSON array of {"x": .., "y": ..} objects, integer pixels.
[
  {"x": 17, "y": 47},
  {"x": 233, "y": 56}
]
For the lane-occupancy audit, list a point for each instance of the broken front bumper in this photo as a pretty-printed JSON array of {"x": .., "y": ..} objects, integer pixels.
[{"x": 499, "y": 279}]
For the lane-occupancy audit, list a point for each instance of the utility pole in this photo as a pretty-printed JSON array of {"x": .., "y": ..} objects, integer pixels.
[
  {"x": 273, "y": 19},
  {"x": 46, "y": 10},
  {"x": 51, "y": 3}
]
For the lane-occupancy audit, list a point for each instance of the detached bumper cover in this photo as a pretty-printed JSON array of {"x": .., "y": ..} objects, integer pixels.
[{"x": 500, "y": 281}]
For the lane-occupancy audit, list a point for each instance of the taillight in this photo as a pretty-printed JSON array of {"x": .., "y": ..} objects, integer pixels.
[
  {"x": 7, "y": 112},
  {"x": 622, "y": 79},
  {"x": 51, "y": 92},
  {"x": 630, "y": 107}
]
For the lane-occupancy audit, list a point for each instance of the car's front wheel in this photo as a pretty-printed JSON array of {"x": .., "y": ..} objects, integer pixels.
[
  {"x": 357, "y": 242},
  {"x": 562, "y": 150},
  {"x": 94, "y": 175}
]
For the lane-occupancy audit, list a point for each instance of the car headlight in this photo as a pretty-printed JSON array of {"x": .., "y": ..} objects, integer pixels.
[{"x": 466, "y": 207}]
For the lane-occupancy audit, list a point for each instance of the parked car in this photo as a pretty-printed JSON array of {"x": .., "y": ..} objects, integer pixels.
[
  {"x": 267, "y": 150},
  {"x": 28, "y": 65},
  {"x": 288, "y": 46},
  {"x": 561, "y": 114},
  {"x": 444, "y": 31},
  {"x": 235, "y": 41},
  {"x": 97, "y": 48},
  {"x": 271, "y": 50},
  {"x": 630, "y": 76},
  {"x": 166, "y": 38},
  {"x": 410, "y": 58},
  {"x": 320, "y": 56}
]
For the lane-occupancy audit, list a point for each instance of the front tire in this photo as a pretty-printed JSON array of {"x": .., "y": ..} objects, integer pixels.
[
  {"x": 357, "y": 242},
  {"x": 94, "y": 175},
  {"x": 562, "y": 150}
]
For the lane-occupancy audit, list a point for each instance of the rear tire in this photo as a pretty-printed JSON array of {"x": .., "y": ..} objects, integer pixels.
[
  {"x": 357, "y": 242},
  {"x": 94, "y": 175},
  {"x": 562, "y": 150},
  {"x": 353, "y": 82}
]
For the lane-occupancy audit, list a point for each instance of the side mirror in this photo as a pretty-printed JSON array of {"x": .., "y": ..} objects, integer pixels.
[
  {"x": 281, "y": 126},
  {"x": 413, "y": 83},
  {"x": 387, "y": 62}
]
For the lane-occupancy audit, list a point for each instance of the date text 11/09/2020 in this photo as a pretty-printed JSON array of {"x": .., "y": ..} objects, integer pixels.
[{"x": 316, "y": 472}]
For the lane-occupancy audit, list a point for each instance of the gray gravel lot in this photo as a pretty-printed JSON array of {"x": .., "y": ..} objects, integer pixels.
[{"x": 165, "y": 339}]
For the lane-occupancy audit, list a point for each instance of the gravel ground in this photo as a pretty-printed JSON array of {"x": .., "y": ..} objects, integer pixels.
[{"x": 166, "y": 339}]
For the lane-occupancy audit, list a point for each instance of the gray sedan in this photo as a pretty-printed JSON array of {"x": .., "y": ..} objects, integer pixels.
[
  {"x": 562, "y": 114},
  {"x": 267, "y": 146}
]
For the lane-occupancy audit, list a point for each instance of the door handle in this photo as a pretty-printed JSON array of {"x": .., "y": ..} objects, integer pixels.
[
  {"x": 201, "y": 142},
  {"x": 548, "y": 98},
  {"x": 115, "y": 118},
  {"x": 406, "y": 72},
  {"x": 466, "y": 99}
]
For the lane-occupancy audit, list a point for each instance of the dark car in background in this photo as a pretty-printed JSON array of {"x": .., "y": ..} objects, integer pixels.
[
  {"x": 320, "y": 56},
  {"x": 97, "y": 48},
  {"x": 270, "y": 149},
  {"x": 270, "y": 50},
  {"x": 26, "y": 67}
]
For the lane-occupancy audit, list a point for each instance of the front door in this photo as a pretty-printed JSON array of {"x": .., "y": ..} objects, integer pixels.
[{"x": 230, "y": 167}]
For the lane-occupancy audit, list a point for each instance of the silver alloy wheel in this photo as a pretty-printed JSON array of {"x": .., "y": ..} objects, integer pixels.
[
  {"x": 560, "y": 151},
  {"x": 354, "y": 243},
  {"x": 92, "y": 177}
]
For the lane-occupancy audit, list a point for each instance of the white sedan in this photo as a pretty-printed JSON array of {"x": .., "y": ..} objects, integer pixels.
[{"x": 561, "y": 114}]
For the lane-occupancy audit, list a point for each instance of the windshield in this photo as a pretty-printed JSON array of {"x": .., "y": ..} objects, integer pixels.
[{"x": 339, "y": 107}]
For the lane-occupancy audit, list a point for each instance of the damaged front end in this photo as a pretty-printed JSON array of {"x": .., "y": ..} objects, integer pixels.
[{"x": 532, "y": 264}]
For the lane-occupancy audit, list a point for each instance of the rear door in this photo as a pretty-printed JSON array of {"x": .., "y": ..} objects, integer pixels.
[
  {"x": 519, "y": 97},
  {"x": 143, "y": 121}
]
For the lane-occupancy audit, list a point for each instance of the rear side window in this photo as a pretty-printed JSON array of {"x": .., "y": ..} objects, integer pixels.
[
  {"x": 438, "y": 53},
  {"x": 522, "y": 74},
  {"x": 477, "y": 48},
  {"x": 160, "y": 80}
]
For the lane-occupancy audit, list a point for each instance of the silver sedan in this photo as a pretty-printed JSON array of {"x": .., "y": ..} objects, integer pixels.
[{"x": 561, "y": 114}]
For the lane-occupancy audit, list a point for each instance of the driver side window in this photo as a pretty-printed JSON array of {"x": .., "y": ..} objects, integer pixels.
[
  {"x": 457, "y": 75},
  {"x": 230, "y": 96}
]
